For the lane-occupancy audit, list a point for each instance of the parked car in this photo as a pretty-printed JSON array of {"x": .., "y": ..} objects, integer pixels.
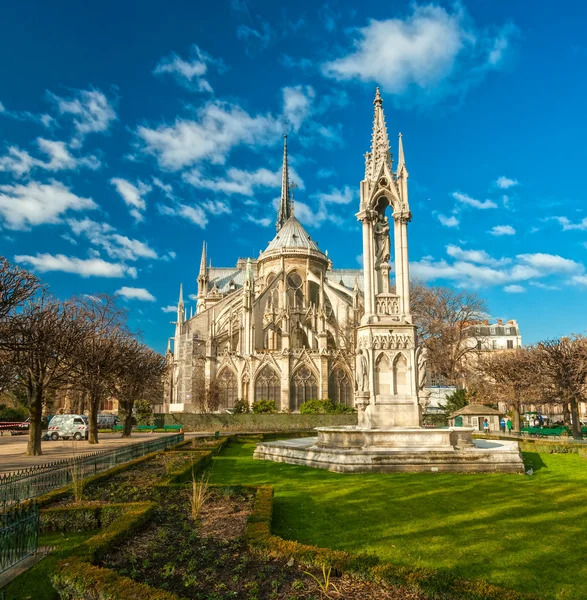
[{"x": 68, "y": 426}]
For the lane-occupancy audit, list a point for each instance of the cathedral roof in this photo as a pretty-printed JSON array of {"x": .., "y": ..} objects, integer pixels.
[{"x": 292, "y": 235}]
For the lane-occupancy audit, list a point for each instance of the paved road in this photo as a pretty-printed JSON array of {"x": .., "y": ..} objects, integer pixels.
[{"x": 12, "y": 449}]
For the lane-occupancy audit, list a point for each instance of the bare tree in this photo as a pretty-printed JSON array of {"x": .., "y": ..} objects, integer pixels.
[
  {"x": 16, "y": 286},
  {"x": 139, "y": 376},
  {"x": 445, "y": 317},
  {"x": 561, "y": 367},
  {"x": 97, "y": 359},
  {"x": 39, "y": 342},
  {"x": 508, "y": 377}
]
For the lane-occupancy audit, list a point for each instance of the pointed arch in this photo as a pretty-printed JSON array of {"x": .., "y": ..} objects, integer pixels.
[
  {"x": 228, "y": 388},
  {"x": 303, "y": 387},
  {"x": 340, "y": 386},
  {"x": 383, "y": 375},
  {"x": 268, "y": 385},
  {"x": 400, "y": 374}
]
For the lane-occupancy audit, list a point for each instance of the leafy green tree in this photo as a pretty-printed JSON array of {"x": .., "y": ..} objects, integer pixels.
[
  {"x": 455, "y": 401},
  {"x": 144, "y": 412}
]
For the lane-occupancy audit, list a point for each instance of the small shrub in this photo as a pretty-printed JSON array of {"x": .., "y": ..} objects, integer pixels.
[
  {"x": 264, "y": 407},
  {"x": 241, "y": 407},
  {"x": 200, "y": 493}
]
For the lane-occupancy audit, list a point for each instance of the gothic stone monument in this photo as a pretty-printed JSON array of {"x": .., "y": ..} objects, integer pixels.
[{"x": 390, "y": 367}]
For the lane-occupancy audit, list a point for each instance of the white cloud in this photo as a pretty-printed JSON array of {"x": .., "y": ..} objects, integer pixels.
[
  {"x": 543, "y": 286},
  {"x": 579, "y": 279},
  {"x": 505, "y": 182},
  {"x": 569, "y": 226},
  {"x": 451, "y": 221},
  {"x": 466, "y": 199},
  {"x": 238, "y": 181},
  {"x": 217, "y": 129},
  {"x": 428, "y": 55},
  {"x": 336, "y": 196},
  {"x": 133, "y": 195},
  {"x": 255, "y": 40},
  {"x": 169, "y": 309},
  {"x": 514, "y": 289},
  {"x": 216, "y": 207},
  {"x": 297, "y": 104},
  {"x": 189, "y": 73},
  {"x": 90, "y": 110},
  {"x": 20, "y": 162},
  {"x": 195, "y": 214},
  {"x": 502, "y": 230},
  {"x": 263, "y": 221},
  {"x": 89, "y": 267},
  {"x": 325, "y": 173},
  {"x": 488, "y": 271},
  {"x": 475, "y": 256},
  {"x": 115, "y": 245},
  {"x": 132, "y": 293},
  {"x": 24, "y": 206}
]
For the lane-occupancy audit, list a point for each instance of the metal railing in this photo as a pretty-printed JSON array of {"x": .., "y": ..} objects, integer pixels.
[
  {"x": 19, "y": 534},
  {"x": 35, "y": 481}
]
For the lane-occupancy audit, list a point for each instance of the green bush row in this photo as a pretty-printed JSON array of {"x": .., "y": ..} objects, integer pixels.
[
  {"x": 82, "y": 517},
  {"x": 553, "y": 447},
  {"x": 325, "y": 407},
  {"x": 257, "y": 422},
  {"x": 436, "y": 584}
]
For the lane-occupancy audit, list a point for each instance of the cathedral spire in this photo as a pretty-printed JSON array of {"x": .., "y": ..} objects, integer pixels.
[
  {"x": 203, "y": 275},
  {"x": 180, "y": 305},
  {"x": 401, "y": 162},
  {"x": 203, "y": 261},
  {"x": 380, "y": 151},
  {"x": 285, "y": 203}
]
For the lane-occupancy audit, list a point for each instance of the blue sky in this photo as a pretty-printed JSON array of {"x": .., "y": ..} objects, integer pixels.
[{"x": 132, "y": 131}]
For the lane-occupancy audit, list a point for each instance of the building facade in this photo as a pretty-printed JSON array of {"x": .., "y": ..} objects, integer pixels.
[{"x": 288, "y": 326}]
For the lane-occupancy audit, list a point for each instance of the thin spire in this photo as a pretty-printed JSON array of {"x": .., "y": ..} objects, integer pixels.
[
  {"x": 401, "y": 163},
  {"x": 180, "y": 303},
  {"x": 285, "y": 208},
  {"x": 203, "y": 260},
  {"x": 180, "y": 306},
  {"x": 380, "y": 151}
]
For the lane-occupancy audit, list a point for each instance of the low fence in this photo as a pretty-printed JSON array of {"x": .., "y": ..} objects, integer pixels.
[
  {"x": 19, "y": 534},
  {"x": 35, "y": 481}
]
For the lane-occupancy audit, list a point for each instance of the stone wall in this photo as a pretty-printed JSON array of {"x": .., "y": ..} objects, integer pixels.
[{"x": 253, "y": 423}]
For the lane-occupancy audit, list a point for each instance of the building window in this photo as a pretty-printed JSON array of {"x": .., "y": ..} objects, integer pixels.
[
  {"x": 340, "y": 389},
  {"x": 295, "y": 294},
  {"x": 228, "y": 389},
  {"x": 304, "y": 387},
  {"x": 268, "y": 385},
  {"x": 510, "y": 344},
  {"x": 479, "y": 345},
  {"x": 494, "y": 344}
]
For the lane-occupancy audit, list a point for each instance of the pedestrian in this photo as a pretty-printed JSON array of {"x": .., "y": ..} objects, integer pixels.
[
  {"x": 509, "y": 425},
  {"x": 486, "y": 426},
  {"x": 502, "y": 424}
]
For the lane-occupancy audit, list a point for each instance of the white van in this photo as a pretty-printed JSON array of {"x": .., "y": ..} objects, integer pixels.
[{"x": 68, "y": 426}]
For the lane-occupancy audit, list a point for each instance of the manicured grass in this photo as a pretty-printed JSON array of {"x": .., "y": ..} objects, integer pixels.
[
  {"x": 35, "y": 584},
  {"x": 522, "y": 532}
]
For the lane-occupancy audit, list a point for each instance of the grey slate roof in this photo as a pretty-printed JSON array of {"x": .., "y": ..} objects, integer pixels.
[
  {"x": 346, "y": 277},
  {"x": 222, "y": 276},
  {"x": 292, "y": 235}
]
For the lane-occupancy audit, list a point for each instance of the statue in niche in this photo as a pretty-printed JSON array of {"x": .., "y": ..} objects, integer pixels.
[
  {"x": 422, "y": 360},
  {"x": 382, "y": 242},
  {"x": 362, "y": 375}
]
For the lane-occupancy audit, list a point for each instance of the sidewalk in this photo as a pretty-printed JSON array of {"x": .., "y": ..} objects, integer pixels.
[{"x": 12, "y": 449}]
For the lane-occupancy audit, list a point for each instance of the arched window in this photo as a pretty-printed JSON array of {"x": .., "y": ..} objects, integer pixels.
[
  {"x": 304, "y": 386},
  {"x": 228, "y": 389},
  {"x": 272, "y": 339},
  {"x": 400, "y": 375},
  {"x": 383, "y": 375},
  {"x": 340, "y": 389},
  {"x": 268, "y": 385},
  {"x": 295, "y": 294}
]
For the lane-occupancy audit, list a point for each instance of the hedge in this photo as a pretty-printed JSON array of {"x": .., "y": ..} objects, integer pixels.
[
  {"x": 255, "y": 422},
  {"x": 81, "y": 517},
  {"x": 434, "y": 583}
]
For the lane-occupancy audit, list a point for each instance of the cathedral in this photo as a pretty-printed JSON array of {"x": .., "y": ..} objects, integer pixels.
[{"x": 288, "y": 326}]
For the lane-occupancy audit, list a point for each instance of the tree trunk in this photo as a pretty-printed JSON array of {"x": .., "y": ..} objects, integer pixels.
[
  {"x": 566, "y": 415},
  {"x": 35, "y": 428},
  {"x": 575, "y": 422},
  {"x": 516, "y": 422},
  {"x": 93, "y": 406},
  {"x": 127, "y": 412}
]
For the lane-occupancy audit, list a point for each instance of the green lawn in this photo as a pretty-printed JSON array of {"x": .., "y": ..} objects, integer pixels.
[
  {"x": 523, "y": 532},
  {"x": 35, "y": 584}
]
